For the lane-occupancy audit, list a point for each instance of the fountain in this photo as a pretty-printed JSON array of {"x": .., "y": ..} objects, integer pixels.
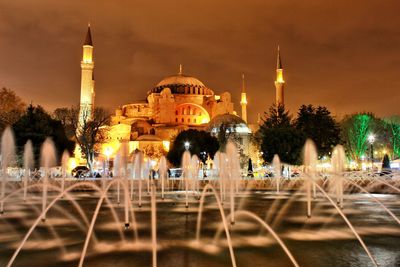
[
  {"x": 64, "y": 165},
  {"x": 28, "y": 164},
  {"x": 354, "y": 222},
  {"x": 162, "y": 168},
  {"x": 47, "y": 160},
  {"x": 310, "y": 164},
  {"x": 186, "y": 166},
  {"x": 7, "y": 158},
  {"x": 276, "y": 163}
]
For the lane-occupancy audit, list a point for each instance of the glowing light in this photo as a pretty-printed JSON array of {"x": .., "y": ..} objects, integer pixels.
[
  {"x": 72, "y": 163},
  {"x": 243, "y": 101},
  {"x": 166, "y": 145},
  {"x": 205, "y": 120},
  {"x": 371, "y": 138},
  {"x": 187, "y": 145},
  {"x": 279, "y": 76},
  {"x": 108, "y": 151}
]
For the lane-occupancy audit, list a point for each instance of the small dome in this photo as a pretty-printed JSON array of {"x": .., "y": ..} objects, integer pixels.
[
  {"x": 232, "y": 122},
  {"x": 148, "y": 137}
]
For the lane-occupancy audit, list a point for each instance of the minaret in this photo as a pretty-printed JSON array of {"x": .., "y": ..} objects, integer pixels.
[
  {"x": 243, "y": 101},
  {"x": 279, "y": 82},
  {"x": 87, "y": 80}
]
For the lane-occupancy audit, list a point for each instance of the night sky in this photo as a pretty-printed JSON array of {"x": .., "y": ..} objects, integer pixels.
[{"x": 341, "y": 54}]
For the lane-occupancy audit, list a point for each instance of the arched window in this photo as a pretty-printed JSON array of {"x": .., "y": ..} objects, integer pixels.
[
  {"x": 176, "y": 119},
  {"x": 188, "y": 120}
]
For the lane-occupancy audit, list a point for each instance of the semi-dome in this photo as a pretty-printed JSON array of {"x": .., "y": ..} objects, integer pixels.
[
  {"x": 182, "y": 84},
  {"x": 232, "y": 123}
]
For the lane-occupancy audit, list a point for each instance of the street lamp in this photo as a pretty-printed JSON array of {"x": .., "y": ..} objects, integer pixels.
[
  {"x": 371, "y": 140},
  {"x": 187, "y": 145}
]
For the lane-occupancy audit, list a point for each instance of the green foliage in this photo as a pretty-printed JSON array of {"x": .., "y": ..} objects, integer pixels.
[
  {"x": 355, "y": 131},
  {"x": 35, "y": 125},
  {"x": 279, "y": 136},
  {"x": 392, "y": 126},
  {"x": 200, "y": 141},
  {"x": 318, "y": 124}
]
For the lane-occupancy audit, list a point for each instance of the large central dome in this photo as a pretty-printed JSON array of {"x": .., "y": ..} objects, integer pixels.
[
  {"x": 180, "y": 79},
  {"x": 182, "y": 84}
]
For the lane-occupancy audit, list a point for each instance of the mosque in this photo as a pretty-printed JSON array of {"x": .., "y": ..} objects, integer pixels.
[{"x": 176, "y": 103}]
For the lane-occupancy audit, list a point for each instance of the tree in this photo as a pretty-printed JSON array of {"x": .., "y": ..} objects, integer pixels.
[
  {"x": 35, "y": 125},
  {"x": 89, "y": 131},
  {"x": 278, "y": 116},
  {"x": 279, "y": 136},
  {"x": 355, "y": 130},
  {"x": 65, "y": 116},
  {"x": 201, "y": 143},
  {"x": 11, "y": 108},
  {"x": 317, "y": 124},
  {"x": 392, "y": 126}
]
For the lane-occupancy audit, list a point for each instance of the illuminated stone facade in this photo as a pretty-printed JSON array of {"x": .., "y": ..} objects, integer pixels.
[{"x": 176, "y": 103}]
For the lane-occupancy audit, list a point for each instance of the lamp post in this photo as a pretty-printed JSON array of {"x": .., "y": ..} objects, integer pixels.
[
  {"x": 187, "y": 145},
  {"x": 371, "y": 140}
]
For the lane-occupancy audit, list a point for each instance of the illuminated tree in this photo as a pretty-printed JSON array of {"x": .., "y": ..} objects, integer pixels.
[
  {"x": 355, "y": 131},
  {"x": 392, "y": 125},
  {"x": 91, "y": 133}
]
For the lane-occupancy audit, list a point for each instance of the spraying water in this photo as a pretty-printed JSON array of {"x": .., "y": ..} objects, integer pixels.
[
  {"x": 310, "y": 163},
  {"x": 28, "y": 164},
  {"x": 47, "y": 160},
  {"x": 162, "y": 169},
  {"x": 138, "y": 174},
  {"x": 64, "y": 166},
  {"x": 194, "y": 173},
  {"x": 276, "y": 163},
  {"x": 7, "y": 159},
  {"x": 185, "y": 174},
  {"x": 338, "y": 163},
  {"x": 234, "y": 167}
]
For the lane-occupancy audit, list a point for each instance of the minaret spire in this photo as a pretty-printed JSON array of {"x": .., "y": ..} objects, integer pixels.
[
  {"x": 278, "y": 59},
  {"x": 88, "y": 39},
  {"x": 279, "y": 82},
  {"x": 243, "y": 100},
  {"x": 180, "y": 69},
  {"x": 243, "y": 84}
]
